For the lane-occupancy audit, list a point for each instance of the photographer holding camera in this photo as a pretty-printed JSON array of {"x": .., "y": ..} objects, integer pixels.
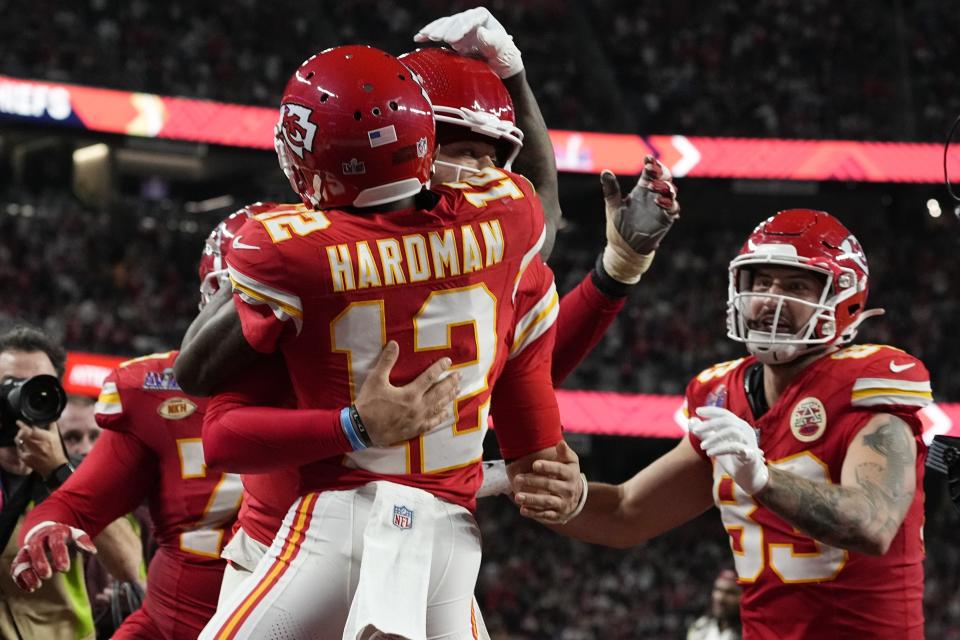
[{"x": 33, "y": 463}]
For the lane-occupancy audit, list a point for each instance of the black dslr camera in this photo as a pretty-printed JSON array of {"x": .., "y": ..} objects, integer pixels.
[{"x": 36, "y": 400}]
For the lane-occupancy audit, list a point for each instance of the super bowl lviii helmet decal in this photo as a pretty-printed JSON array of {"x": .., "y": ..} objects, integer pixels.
[
  {"x": 466, "y": 93},
  {"x": 813, "y": 241},
  {"x": 355, "y": 129}
]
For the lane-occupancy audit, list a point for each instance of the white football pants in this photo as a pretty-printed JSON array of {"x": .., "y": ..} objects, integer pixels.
[{"x": 306, "y": 585}]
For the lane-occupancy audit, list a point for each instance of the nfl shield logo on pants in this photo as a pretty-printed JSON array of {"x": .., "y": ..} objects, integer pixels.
[{"x": 402, "y": 517}]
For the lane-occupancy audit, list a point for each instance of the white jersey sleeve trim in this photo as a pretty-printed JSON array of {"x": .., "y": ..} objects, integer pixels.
[
  {"x": 108, "y": 402},
  {"x": 536, "y": 322},
  {"x": 873, "y": 392},
  {"x": 527, "y": 258},
  {"x": 863, "y": 384},
  {"x": 284, "y": 305}
]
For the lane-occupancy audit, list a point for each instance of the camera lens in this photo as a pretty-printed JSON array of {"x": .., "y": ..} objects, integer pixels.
[{"x": 41, "y": 399}]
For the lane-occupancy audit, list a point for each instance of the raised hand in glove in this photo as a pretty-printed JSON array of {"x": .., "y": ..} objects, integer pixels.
[
  {"x": 478, "y": 34},
  {"x": 31, "y": 566},
  {"x": 636, "y": 224},
  {"x": 732, "y": 443}
]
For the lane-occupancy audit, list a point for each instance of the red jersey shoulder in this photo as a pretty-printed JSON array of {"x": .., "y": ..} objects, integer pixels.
[
  {"x": 145, "y": 384},
  {"x": 280, "y": 223},
  {"x": 258, "y": 246},
  {"x": 878, "y": 377},
  {"x": 494, "y": 192}
]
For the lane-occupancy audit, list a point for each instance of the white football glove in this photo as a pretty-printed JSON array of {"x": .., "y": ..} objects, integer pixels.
[
  {"x": 478, "y": 34},
  {"x": 733, "y": 444},
  {"x": 638, "y": 223}
]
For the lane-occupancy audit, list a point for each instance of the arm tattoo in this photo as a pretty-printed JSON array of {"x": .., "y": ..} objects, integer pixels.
[{"x": 857, "y": 517}]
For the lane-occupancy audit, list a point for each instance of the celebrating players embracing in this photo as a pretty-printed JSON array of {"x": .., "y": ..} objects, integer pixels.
[{"x": 329, "y": 287}]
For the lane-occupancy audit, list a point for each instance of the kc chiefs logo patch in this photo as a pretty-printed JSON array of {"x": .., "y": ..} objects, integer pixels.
[
  {"x": 176, "y": 408},
  {"x": 297, "y": 130},
  {"x": 808, "y": 420}
]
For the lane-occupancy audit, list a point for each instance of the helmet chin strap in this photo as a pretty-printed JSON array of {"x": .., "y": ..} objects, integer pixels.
[{"x": 767, "y": 351}]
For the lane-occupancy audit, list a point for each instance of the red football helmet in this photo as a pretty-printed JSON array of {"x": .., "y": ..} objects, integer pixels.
[
  {"x": 804, "y": 239},
  {"x": 467, "y": 93},
  {"x": 213, "y": 263},
  {"x": 355, "y": 129}
]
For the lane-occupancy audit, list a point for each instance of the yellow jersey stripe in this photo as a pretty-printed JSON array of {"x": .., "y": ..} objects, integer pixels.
[
  {"x": 293, "y": 312},
  {"x": 543, "y": 321},
  {"x": 867, "y": 393}
]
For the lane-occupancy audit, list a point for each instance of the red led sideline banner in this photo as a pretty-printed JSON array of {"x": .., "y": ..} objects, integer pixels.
[
  {"x": 152, "y": 116},
  {"x": 85, "y": 372},
  {"x": 651, "y": 416},
  {"x": 591, "y": 412}
]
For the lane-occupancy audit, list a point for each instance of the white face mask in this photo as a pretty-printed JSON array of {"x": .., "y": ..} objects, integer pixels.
[
  {"x": 774, "y": 345},
  {"x": 463, "y": 171}
]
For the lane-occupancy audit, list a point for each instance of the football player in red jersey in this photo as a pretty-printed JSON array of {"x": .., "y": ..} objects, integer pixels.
[
  {"x": 150, "y": 450},
  {"x": 434, "y": 276},
  {"x": 810, "y": 447},
  {"x": 449, "y": 79}
]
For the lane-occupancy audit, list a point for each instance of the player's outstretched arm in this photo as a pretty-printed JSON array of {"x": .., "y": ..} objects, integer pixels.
[
  {"x": 478, "y": 34},
  {"x": 213, "y": 348},
  {"x": 866, "y": 510},
  {"x": 664, "y": 495},
  {"x": 536, "y": 160},
  {"x": 635, "y": 227},
  {"x": 112, "y": 481}
]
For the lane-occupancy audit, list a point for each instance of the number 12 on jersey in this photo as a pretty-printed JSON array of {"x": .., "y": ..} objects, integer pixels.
[{"x": 458, "y": 441}]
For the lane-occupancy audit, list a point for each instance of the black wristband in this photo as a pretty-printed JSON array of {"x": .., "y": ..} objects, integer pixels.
[
  {"x": 606, "y": 284},
  {"x": 359, "y": 427},
  {"x": 58, "y": 476}
]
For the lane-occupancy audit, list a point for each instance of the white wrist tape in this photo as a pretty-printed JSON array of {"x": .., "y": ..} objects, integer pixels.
[{"x": 581, "y": 503}]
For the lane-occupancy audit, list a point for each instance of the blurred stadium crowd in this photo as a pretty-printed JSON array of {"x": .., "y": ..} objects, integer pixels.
[{"x": 731, "y": 67}]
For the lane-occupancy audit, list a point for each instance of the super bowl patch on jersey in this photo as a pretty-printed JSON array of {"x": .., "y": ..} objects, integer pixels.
[
  {"x": 402, "y": 517},
  {"x": 717, "y": 396},
  {"x": 157, "y": 381}
]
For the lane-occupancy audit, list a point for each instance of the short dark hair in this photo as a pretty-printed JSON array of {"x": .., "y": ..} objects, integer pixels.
[{"x": 30, "y": 340}]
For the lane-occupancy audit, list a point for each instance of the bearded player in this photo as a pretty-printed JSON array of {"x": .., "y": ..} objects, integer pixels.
[{"x": 810, "y": 447}]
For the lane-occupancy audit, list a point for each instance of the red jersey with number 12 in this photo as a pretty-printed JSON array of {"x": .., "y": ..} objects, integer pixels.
[
  {"x": 794, "y": 587},
  {"x": 330, "y": 288}
]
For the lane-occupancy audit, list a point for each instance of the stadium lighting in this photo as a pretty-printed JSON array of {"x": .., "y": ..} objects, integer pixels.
[{"x": 91, "y": 153}]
